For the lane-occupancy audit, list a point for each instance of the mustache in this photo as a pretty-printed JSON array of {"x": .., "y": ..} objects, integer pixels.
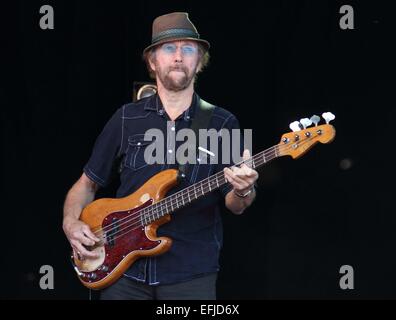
[{"x": 178, "y": 68}]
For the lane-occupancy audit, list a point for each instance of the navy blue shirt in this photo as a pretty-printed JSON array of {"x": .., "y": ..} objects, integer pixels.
[{"x": 196, "y": 230}]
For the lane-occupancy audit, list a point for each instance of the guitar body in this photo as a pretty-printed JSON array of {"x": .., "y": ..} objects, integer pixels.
[{"x": 124, "y": 243}]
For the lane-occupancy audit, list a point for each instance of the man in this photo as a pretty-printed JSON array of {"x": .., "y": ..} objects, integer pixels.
[{"x": 189, "y": 269}]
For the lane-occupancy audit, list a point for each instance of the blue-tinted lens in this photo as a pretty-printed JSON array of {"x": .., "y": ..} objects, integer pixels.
[
  {"x": 171, "y": 48},
  {"x": 188, "y": 49}
]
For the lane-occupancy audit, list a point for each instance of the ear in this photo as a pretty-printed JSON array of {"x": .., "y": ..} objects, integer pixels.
[
  {"x": 199, "y": 68},
  {"x": 150, "y": 59}
]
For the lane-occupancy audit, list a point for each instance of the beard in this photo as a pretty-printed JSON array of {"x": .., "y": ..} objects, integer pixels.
[{"x": 172, "y": 83}]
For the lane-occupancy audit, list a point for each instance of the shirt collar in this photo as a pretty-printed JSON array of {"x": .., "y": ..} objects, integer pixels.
[{"x": 154, "y": 104}]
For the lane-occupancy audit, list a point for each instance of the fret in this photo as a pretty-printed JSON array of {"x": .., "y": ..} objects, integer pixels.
[
  {"x": 148, "y": 219},
  {"x": 217, "y": 181},
  {"x": 264, "y": 157},
  {"x": 177, "y": 202},
  {"x": 202, "y": 189},
  {"x": 155, "y": 212},
  {"x": 188, "y": 194},
  {"x": 195, "y": 192},
  {"x": 171, "y": 204},
  {"x": 141, "y": 219},
  {"x": 163, "y": 209},
  {"x": 166, "y": 206},
  {"x": 182, "y": 198},
  {"x": 158, "y": 209},
  {"x": 210, "y": 189}
]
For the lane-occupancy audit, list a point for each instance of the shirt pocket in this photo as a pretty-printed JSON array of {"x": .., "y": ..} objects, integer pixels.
[{"x": 135, "y": 153}]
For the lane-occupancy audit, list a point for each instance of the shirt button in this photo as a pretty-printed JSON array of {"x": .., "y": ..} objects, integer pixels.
[
  {"x": 170, "y": 151},
  {"x": 139, "y": 143},
  {"x": 188, "y": 117},
  {"x": 173, "y": 128}
]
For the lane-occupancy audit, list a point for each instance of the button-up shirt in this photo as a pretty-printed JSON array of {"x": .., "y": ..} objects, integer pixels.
[{"x": 196, "y": 230}]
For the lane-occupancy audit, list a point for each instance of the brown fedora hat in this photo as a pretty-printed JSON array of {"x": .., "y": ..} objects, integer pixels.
[{"x": 174, "y": 26}]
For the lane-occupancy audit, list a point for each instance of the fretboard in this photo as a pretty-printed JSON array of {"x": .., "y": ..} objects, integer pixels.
[{"x": 197, "y": 190}]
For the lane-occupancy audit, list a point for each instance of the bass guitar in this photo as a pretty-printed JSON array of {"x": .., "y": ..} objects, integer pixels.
[{"x": 127, "y": 226}]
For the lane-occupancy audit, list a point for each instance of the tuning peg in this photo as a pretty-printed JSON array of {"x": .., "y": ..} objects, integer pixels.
[
  {"x": 305, "y": 122},
  {"x": 315, "y": 119},
  {"x": 328, "y": 116},
  {"x": 295, "y": 126}
]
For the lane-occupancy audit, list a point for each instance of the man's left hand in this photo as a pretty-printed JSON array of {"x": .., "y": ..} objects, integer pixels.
[{"x": 242, "y": 178}]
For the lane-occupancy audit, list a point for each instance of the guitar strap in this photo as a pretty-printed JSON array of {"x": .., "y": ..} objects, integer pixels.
[{"x": 201, "y": 120}]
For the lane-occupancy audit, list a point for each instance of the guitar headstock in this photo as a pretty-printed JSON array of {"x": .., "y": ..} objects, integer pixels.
[{"x": 303, "y": 137}]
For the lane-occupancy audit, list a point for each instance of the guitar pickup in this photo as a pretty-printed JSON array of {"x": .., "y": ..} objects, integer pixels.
[{"x": 112, "y": 234}]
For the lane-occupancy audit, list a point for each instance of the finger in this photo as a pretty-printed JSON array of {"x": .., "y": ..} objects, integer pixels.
[
  {"x": 235, "y": 173},
  {"x": 88, "y": 233},
  {"x": 76, "y": 253},
  {"x": 235, "y": 184},
  {"x": 87, "y": 241},
  {"x": 80, "y": 237},
  {"x": 246, "y": 155},
  {"x": 236, "y": 181},
  {"x": 229, "y": 172},
  {"x": 246, "y": 170},
  {"x": 84, "y": 252},
  {"x": 251, "y": 173}
]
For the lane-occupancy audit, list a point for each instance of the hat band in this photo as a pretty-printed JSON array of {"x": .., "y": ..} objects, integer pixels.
[{"x": 177, "y": 33}]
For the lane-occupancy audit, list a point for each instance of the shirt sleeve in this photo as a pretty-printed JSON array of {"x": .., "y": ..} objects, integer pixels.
[
  {"x": 100, "y": 166},
  {"x": 229, "y": 159}
]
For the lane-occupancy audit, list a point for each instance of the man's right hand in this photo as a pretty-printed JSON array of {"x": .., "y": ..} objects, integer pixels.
[{"x": 79, "y": 235}]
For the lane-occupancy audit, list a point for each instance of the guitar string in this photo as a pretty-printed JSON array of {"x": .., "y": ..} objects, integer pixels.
[
  {"x": 136, "y": 225},
  {"x": 174, "y": 198},
  {"x": 137, "y": 216},
  {"x": 191, "y": 192}
]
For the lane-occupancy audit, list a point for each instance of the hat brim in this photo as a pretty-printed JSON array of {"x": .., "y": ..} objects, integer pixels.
[{"x": 205, "y": 43}]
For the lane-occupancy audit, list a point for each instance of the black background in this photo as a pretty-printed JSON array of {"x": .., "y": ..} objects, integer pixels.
[{"x": 272, "y": 62}]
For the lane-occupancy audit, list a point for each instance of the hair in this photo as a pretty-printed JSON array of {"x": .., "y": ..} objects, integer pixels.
[{"x": 150, "y": 55}]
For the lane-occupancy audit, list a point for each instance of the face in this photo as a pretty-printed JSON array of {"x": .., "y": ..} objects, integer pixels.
[{"x": 175, "y": 64}]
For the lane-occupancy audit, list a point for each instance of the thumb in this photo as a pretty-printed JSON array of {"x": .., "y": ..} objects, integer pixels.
[{"x": 246, "y": 156}]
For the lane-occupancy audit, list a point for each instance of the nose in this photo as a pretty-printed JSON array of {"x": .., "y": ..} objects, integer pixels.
[{"x": 178, "y": 55}]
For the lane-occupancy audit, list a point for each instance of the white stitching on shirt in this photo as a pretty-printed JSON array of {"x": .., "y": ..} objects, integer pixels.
[{"x": 122, "y": 129}]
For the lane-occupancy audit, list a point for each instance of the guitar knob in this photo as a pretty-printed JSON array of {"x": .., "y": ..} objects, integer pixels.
[
  {"x": 104, "y": 268},
  {"x": 92, "y": 276},
  {"x": 315, "y": 119},
  {"x": 328, "y": 116},
  {"x": 305, "y": 122},
  {"x": 295, "y": 126}
]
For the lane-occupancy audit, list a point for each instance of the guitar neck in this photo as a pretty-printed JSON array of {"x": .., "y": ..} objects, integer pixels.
[{"x": 201, "y": 188}]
